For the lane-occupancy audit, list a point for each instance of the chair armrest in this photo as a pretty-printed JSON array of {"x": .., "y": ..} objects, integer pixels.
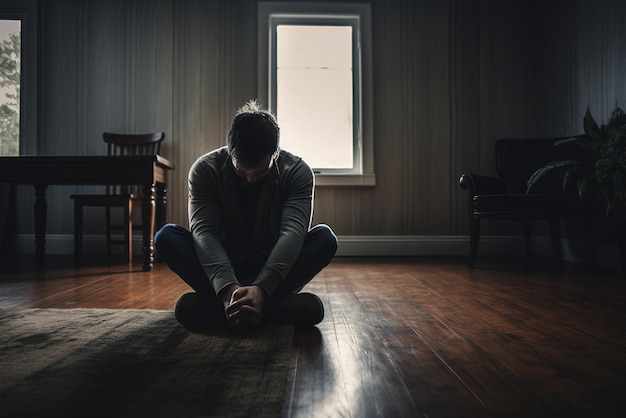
[{"x": 477, "y": 184}]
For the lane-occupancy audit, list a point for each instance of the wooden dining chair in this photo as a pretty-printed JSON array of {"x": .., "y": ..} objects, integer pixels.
[{"x": 116, "y": 196}]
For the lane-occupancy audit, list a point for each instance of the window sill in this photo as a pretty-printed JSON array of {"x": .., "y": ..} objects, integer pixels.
[{"x": 345, "y": 180}]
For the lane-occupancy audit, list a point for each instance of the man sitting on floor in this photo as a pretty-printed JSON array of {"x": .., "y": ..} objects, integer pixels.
[{"x": 250, "y": 249}]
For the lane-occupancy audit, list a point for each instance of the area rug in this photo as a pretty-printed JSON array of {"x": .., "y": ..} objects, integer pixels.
[{"x": 136, "y": 363}]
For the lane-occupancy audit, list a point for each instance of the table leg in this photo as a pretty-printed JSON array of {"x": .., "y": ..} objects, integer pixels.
[
  {"x": 41, "y": 209},
  {"x": 161, "y": 206},
  {"x": 147, "y": 219}
]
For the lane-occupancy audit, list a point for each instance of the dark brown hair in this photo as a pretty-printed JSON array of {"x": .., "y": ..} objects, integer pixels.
[{"x": 253, "y": 135}]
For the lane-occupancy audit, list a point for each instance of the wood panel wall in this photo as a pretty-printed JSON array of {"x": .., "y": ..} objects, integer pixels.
[{"x": 450, "y": 77}]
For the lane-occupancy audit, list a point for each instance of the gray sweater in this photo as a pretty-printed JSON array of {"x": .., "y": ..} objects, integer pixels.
[{"x": 216, "y": 218}]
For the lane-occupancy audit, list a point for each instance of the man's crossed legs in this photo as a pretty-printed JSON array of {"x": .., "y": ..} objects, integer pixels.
[{"x": 174, "y": 245}]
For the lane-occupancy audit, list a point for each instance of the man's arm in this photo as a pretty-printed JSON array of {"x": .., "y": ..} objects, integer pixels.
[
  {"x": 295, "y": 223},
  {"x": 205, "y": 224}
]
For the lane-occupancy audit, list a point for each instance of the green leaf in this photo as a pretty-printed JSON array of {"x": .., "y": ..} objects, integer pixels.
[
  {"x": 586, "y": 188},
  {"x": 573, "y": 139},
  {"x": 552, "y": 165},
  {"x": 590, "y": 126}
]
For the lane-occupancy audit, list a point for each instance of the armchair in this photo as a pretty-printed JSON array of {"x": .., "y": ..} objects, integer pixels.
[{"x": 504, "y": 197}]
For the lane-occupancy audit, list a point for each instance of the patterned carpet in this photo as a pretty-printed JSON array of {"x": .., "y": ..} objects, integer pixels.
[{"x": 136, "y": 363}]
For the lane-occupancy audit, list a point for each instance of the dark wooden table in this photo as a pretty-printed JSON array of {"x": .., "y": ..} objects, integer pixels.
[{"x": 41, "y": 171}]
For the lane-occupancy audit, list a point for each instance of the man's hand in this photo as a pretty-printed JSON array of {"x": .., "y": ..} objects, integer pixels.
[{"x": 244, "y": 307}]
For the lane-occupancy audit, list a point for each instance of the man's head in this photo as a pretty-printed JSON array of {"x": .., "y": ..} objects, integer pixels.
[{"x": 253, "y": 136}]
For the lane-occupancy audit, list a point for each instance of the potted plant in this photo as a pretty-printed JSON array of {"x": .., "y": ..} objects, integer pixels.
[
  {"x": 601, "y": 180},
  {"x": 604, "y": 165}
]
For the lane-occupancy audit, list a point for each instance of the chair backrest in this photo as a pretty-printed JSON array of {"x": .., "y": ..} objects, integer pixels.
[
  {"x": 131, "y": 144},
  {"x": 517, "y": 159}
]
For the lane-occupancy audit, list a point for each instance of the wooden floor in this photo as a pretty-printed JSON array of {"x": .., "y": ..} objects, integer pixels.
[{"x": 419, "y": 337}]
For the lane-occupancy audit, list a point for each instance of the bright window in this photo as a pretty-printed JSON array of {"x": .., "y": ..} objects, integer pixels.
[
  {"x": 315, "y": 74},
  {"x": 10, "y": 81},
  {"x": 314, "y": 63}
]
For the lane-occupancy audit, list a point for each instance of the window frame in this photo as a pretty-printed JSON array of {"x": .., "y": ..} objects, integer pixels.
[
  {"x": 26, "y": 12},
  {"x": 271, "y": 14}
]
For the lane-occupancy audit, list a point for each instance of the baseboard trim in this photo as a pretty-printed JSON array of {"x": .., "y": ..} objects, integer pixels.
[
  {"x": 432, "y": 245},
  {"x": 352, "y": 246},
  {"x": 372, "y": 246},
  {"x": 64, "y": 244}
]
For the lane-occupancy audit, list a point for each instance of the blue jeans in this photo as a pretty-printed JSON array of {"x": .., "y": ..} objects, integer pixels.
[{"x": 174, "y": 245}]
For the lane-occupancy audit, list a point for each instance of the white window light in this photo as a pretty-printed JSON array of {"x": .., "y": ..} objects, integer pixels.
[
  {"x": 315, "y": 74},
  {"x": 10, "y": 30}
]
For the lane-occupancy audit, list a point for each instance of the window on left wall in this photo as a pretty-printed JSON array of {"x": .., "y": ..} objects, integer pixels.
[{"x": 10, "y": 85}]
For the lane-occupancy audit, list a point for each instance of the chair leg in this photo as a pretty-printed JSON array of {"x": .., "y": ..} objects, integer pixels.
[
  {"x": 108, "y": 231},
  {"x": 589, "y": 249},
  {"x": 557, "y": 250},
  {"x": 528, "y": 242},
  {"x": 78, "y": 233},
  {"x": 128, "y": 230},
  {"x": 474, "y": 238}
]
